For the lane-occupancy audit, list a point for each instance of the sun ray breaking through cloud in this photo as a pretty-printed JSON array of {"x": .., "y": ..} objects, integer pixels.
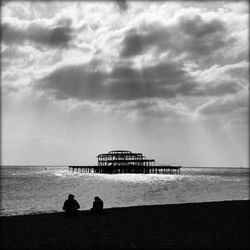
[{"x": 169, "y": 78}]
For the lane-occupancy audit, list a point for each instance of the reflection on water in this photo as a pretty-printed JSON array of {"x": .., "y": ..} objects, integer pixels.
[{"x": 39, "y": 189}]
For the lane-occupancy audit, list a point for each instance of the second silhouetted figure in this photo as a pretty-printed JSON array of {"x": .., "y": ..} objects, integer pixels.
[{"x": 97, "y": 206}]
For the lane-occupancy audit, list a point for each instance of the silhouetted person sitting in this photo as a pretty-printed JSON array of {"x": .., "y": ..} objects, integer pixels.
[
  {"x": 71, "y": 206},
  {"x": 97, "y": 206}
]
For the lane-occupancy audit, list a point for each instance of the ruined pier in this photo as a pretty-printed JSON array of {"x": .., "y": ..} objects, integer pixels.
[{"x": 121, "y": 162}]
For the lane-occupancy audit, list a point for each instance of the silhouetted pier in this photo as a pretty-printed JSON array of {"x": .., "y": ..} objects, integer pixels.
[
  {"x": 124, "y": 170},
  {"x": 121, "y": 162}
]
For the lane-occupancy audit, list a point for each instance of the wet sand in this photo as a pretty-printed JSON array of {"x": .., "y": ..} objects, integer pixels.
[{"x": 211, "y": 225}]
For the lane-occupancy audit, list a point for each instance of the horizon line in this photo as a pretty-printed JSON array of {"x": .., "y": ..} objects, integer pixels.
[{"x": 66, "y": 165}]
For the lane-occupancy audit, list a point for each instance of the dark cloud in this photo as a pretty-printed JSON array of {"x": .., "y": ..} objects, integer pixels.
[
  {"x": 12, "y": 52},
  {"x": 57, "y": 36},
  {"x": 78, "y": 82},
  {"x": 196, "y": 27},
  {"x": 218, "y": 89},
  {"x": 133, "y": 44},
  {"x": 88, "y": 82},
  {"x": 136, "y": 42},
  {"x": 204, "y": 37},
  {"x": 122, "y": 4},
  {"x": 222, "y": 89},
  {"x": 191, "y": 35}
]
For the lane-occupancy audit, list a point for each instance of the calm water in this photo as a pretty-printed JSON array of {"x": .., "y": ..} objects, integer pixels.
[{"x": 27, "y": 190}]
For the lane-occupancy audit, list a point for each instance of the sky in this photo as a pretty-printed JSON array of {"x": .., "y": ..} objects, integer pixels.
[{"x": 167, "y": 79}]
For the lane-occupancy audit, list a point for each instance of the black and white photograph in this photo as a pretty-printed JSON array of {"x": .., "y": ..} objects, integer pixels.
[{"x": 124, "y": 124}]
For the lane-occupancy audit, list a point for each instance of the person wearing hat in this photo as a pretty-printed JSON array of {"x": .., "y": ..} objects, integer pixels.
[{"x": 71, "y": 206}]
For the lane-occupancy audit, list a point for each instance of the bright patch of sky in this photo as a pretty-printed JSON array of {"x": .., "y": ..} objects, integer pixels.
[{"x": 167, "y": 79}]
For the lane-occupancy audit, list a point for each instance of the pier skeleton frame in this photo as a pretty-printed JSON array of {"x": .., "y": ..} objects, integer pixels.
[
  {"x": 124, "y": 158},
  {"x": 121, "y": 161}
]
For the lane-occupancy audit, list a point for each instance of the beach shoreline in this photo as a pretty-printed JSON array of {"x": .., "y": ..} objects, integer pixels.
[{"x": 208, "y": 225}]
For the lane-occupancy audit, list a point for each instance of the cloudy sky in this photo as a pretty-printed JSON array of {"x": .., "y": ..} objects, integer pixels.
[{"x": 167, "y": 79}]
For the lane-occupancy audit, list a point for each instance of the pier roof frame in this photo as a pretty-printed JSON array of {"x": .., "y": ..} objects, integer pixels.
[{"x": 120, "y": 153}]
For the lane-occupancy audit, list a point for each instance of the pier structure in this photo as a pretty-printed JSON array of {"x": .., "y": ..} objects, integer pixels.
[
  {"x": 121, "y": 158},
  {"x": 121, "y": 161}
]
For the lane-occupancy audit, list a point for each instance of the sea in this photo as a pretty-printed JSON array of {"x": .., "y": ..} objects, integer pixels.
[{"x": 43, "y": 189}]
